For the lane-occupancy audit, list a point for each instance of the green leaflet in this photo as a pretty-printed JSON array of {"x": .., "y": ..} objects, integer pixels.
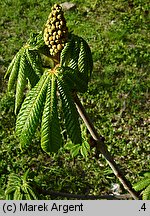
[
  {"x": 66, "y": 52},
  {"x": 70, "y": 53},
  {"x": 146, "y": 193},
  {"x": 13, "y": 178},
  {"x": 51, "y": 139},
  {"x": 31, "y": 193},
  {"x": 17, "y": 194},
  {"x": 85, "y": 62},
  {"x": 27, "y": 196},
  {"x": 31, "y": 111},
  {"x": 13, "y": 69},
  {"x": 142, "y": 184},
  {"x": 9, "y": 196},
  {"x": 34, "y": 60},
  {"x": 68, "y": 75},
  {"x": 25, "y": 176},
  {"x": 75, "y": 150},
  {"x": 147, "y": 175},
  {"x": 25, "y": 191},
  {"x": 21, "y": 81},
  {"x": 73, "y": 79},
  {"x": 70, "y": 113},
  {"x": 10, "y": 190},
  {"x": 31, "y": 75},
  {"x": 85, "y": 149},
  {"x": 11, "y": 65},
  {"x": 36, "y": 41},
  {"x": 74, "y": 54}
]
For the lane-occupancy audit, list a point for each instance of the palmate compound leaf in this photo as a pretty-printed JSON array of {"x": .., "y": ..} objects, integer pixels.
[
  {"x": 75, "y": 150},
  {"x": 77, "y": 56},
  {"x": 24, "y": 66},
  {"x": 31, "y": 111},
  {"x": 18, "y": 188},
  {"x": 70, "y": 113},
  {"x": 29, "y": 69},
  {"x": 14, "y": 182},
  {"x": 51, "y": 139}
]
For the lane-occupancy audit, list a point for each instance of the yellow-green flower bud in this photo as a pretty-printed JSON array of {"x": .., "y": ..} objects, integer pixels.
[{"x": 55, "y": 32}]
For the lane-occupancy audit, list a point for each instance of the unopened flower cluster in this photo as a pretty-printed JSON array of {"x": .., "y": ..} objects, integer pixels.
[{"x": 56, "y": 32}]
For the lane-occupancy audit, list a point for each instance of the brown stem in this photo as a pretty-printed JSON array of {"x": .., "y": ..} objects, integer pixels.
[
  {"x": 103, "y": 148},
  {"x": 83, "y": 197}
]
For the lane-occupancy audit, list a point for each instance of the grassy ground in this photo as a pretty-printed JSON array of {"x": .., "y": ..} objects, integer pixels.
[{"x": 117, "y": 99}]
